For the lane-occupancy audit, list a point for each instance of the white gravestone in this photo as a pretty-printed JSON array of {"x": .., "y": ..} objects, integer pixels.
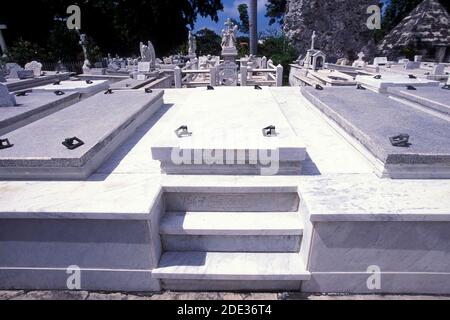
[
  {"x": 412, "y": 65},
  {"x": 12, "y": 68},
  {"x": 380, "y": 61},
  {"x": 35, "y": 66},
  {"x": 439, "y": 70},
  {"x": 6, "y": 99},
  {"x": 360, "y": 63},
  {"x": 144, "y": 66}
]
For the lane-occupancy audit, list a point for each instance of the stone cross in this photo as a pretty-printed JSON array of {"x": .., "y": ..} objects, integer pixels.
[
  {"x": 361, "y": 55},
  {"x": 2, "y": 40},
  {"x": 313, "y": 39}
]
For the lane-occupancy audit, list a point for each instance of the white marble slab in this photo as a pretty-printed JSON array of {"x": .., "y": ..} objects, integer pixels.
[
  {"x": 393, "y": 80},
  {"x": 367, "y": 198},
  {"x": 231, "y": 266},
  {"x": 231, "y": 223},
  {"x": 82, "y": 87}
]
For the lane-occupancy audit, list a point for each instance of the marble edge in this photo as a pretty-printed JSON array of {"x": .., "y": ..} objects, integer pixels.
[
  {"x": 76, "y": 215},
  {"x": 380, "y": 217}
]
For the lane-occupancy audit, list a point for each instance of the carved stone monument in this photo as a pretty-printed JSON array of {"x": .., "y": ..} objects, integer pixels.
[
  {"x": 12, "y": 69},
  {"x": 146, "y": 65},
  {"x": 360, "y": 63},
  {"x": 34, "y": 66},
  {"x": 83, "y": 43},
  {"x": 192, "y": 42},
  {"x": 229, "y": 51},
  {"x": 6, "y": 99},
  {"x": 148, "y": 54}
]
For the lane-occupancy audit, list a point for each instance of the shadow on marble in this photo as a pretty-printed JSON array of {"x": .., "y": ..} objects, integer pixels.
[{"x": 108, "y": 167}]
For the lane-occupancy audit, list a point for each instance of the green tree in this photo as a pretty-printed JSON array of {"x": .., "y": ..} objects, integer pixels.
[
  {"x": 23, "y": 51},
  {"x": 278, "y": 49},
  {"x": 116, "y": 25},
  {"x": 244, "y": 25},
  {"x": 208, "y": 42},
  {"x": 276, "y": 10}
]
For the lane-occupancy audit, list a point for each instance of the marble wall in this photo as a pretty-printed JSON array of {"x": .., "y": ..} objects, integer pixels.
[
  {"x": 112, "y": 254},
  {"x": 413, "y": 257}
]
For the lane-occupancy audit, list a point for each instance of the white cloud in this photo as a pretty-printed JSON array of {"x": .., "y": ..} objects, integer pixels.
[{"x": 232, "y": 11}]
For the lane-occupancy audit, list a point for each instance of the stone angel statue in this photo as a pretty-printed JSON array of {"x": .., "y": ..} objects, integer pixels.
[
  {"x": 229, "y": 34},
  {"x": 148, "y": 53}
]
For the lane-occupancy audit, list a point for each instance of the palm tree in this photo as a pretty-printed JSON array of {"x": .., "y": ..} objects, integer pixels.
[{"x": 253, "y": 26}]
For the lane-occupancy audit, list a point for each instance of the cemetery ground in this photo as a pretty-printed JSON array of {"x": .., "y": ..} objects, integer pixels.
[{"x": 195, "y": 296}]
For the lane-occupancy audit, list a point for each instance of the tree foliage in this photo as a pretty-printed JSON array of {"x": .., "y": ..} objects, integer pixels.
[
  {"x": 117, "y": 26},
  {"x": 244, "y": 25},
  {"x": 208, "y": 42},
  {"x": 276, "y": 10},
  {"x": 278, "y": 49}
]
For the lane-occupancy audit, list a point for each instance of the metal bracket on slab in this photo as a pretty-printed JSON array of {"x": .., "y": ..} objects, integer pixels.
[
  {"x": 89, "y": 82},
  {"x": 411, "y": 76},
  {"x": 209, "y": 88},
  {"x": 148, "y": 90},
  {"x": 57, "y": 83},
  {"x": 109, "y": 91},
  {"x": 318, "y": 87},
  {"x": 72, "y": 143},
  {"x": 378, "y": 77},
  {"x": 360, "y": 87},
  {"x": 257, "y": 87},
  {"x": 410, "y": 87},
  {"x": 446, "y": 87},
  {"x": 269, "y": 131},
  {"x": 183, "y": 132},
  {"x": 5, "y": 144},
  {"x": 402, "y": 140},
  {"x": 59, "y": 93}
]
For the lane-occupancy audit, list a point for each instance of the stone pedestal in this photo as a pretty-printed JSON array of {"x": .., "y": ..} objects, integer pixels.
[
  {"x": 227, "y": 74},
  {"x": 229, "y": 54}
]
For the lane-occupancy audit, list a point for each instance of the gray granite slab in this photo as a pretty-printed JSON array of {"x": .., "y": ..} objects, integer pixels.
[
  {"x": 131, "y": 84},
  {"x": 435, "y": 98},
  {"x": 49, "y": 77},
  {"x": 97, "y": 121},
  {"x": 33, "y": 107},
  {"x": 372, "y": 118}
]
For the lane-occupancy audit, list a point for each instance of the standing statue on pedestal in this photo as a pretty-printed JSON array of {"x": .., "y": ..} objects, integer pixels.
[
  {"x": 83, "y": 42},
  {"x": 148, "y": 53},
  {"x": 228, "y": 35}
]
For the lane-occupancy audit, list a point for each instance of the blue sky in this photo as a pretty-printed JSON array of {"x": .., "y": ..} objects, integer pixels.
[{"x": 230, "y": 11}]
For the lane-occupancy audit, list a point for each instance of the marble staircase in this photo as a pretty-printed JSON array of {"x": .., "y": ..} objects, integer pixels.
[{"x": 231, "y": 241}]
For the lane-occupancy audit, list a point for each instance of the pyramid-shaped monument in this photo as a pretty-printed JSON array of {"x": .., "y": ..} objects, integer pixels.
[{"x": 425, "y": 31}]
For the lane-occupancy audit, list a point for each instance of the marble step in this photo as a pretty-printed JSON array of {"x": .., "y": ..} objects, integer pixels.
[
  {"x": 230, "y": 266},
  {"x": 232, "y": 223},
  {"x": 230, "y": 243},
  {"x": 232, "y": 202},
  {"x": 231, "y": 231}
]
